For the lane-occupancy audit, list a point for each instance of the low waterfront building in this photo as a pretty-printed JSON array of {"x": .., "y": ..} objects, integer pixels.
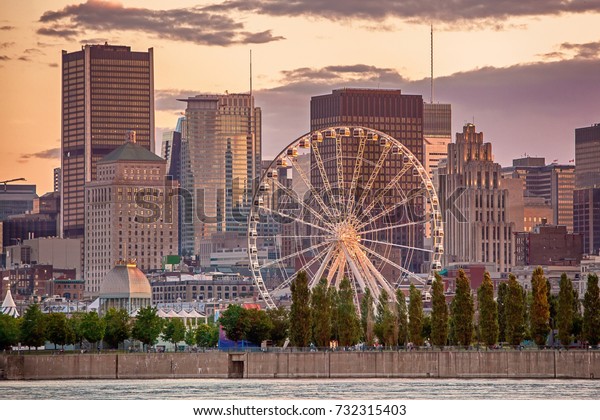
[{"x": 125, "y": 287}]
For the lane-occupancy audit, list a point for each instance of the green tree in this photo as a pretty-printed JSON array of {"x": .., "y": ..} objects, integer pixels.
[
  {"x": 415, "y": 316},
  {"x": 320, "y": 305},
  {"x": 426, "y": 328},
  {"x": 347, "y": 315},
  {"x": 190, "y": 336},
  {"x": 207, "y": 335},
  {"x": 9, "y": 331},
  {"x": 502, "y": 296},
  {"x": 235, "y": 322},
  {"x": 33, "y": 327},
  {"x": 300, "y": 314},
  {"x": 577, "y": 317},
  {"x": 386, "y": 321},
  {"x": 565, "y": 313},
  {"x": 553, "y": 305},
  {"x": 259, "y": 326},
  {"x": 367, "y": 317},
  {"x": 281, "y": 323},
  {"x": 540, "y": 308},
  {"x": 147, "y": 326},
  {"x": 74, "y": 324},
  {"x": 173, "y": 331},
  {"x": 334, "y": 298},
  {"x": 93, "y": 327},
  {"x": 463, "y": 310},
  {"x": 402, "y": 313},
  {"x": 488, "y": 311},
  {"x": 591, "y": 311},
  {"x": 439, "y": 313},
  {"x": 514, "y": 313},
  {"x": 57, "y": 331},
  {"x": 118, "y": 327}
]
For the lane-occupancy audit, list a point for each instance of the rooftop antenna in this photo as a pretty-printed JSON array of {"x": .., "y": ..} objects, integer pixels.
[
  {"x": 250, "y": 72},
  {"x": 431, "y": 63}
]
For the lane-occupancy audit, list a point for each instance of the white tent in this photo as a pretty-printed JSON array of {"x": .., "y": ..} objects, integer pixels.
[{"x": 8, "y": 306}]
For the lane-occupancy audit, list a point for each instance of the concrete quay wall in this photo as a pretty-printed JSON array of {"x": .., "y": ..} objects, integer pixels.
[{"x": 214, "y": 364}]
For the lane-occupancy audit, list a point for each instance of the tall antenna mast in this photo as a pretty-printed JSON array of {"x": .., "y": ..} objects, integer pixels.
[
  {"x": 431, "y": 63},
  {"x": 250, "y": 72}
]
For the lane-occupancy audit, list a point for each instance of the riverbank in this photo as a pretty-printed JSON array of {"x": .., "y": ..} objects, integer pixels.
[{"x": 387, "y": 364}]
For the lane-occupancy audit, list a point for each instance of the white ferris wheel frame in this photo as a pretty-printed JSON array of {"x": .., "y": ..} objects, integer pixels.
[{"x": 344, "y": 244}]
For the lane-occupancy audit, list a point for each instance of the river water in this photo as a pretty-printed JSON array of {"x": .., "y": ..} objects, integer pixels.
[{"x": 332, "y": 389}]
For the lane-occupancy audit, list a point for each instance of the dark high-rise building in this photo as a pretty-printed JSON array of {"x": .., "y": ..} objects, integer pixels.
[
  {"x": 107, "y": 90},
  {"x": 586, "y": 218},
  {"x": 587, "y": 156},
  {"x": 389, "y": 111},
  {"x": 548, "y": 245}
]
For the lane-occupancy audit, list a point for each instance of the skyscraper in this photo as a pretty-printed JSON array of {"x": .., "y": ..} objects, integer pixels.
[
  {"x": 586, "y": 197},
  {"x": 107, "y": 90},
  {"x": 587, "y": 156},
  {"x": 389, "y": 111},
  {"x": 130, "y": 213},
  {"x": 478, "y": 226},
  {"x": 437, "y": 134},
  {"x": 221, "y": 158}
]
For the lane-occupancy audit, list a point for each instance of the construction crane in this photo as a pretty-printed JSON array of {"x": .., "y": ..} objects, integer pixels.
[{"x": 11, "y": 180}]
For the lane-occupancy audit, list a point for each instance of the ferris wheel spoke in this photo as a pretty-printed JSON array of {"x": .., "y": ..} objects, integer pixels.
[
  {"x": 356, "y": 174},
  {"x": 295, "y": 219},
  {"x": 317, "y": 277},
  {"x": 358, "y": 276},
  {"x": 321, "y": 166},
  {"x": 390, "y": 228},
  {"x": 287, "y": 282},
  {"x": 295, "y": 254},
  {"x": 414, "y": 248},
  {"x": 312, "y": 211},
  {"x": 388, "y": 210},
  {"x": 374, "y": 174},
  {"x": 379, "y": 279},
  {"x": 390, "y": 262},
  {"x": 324, "y": 208},
  {"x": 387, "y": 188}
]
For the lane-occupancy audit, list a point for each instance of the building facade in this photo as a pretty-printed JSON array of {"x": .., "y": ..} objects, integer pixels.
[
  {"x": 548, "y": 245},
  {"x": 479, "y": 225},
  {"x": 554, "y": 182},
  {"x": 587, "y": 156},
  {"x": 16, "y": 200},
  {"x": 391, "y": 112},
  {"x": 131, "y": 213},
  {"x": 586, "y": 218},
  {"x": 177, "y": 287},
  {"x": 221, "y": 159},
  {"x": 437, "y": 134},
  {"x": 107, "y": 90}
]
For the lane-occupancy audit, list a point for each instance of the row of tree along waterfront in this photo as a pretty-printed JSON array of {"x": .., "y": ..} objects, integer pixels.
[
  {"x": 326, "y": 314},
  {"x": 89, "y": 330}
]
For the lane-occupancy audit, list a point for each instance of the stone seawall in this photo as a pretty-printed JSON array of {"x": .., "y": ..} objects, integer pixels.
[{"x": 214, "y": 364}]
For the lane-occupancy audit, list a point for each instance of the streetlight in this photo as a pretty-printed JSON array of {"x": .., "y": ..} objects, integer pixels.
[{"x": 11, "y": 180}]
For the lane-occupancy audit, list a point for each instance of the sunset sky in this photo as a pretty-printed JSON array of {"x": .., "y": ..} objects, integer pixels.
[{"x": 527, "y": 72}]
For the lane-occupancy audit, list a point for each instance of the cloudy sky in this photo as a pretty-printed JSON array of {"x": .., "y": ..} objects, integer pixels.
[{"x": 527, "y": 72}]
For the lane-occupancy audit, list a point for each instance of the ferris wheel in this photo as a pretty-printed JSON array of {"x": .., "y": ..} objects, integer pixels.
[{"x": 344, "y": 202}]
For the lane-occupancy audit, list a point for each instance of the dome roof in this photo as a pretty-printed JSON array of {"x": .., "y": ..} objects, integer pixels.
[{"x": 125, "y": 280}]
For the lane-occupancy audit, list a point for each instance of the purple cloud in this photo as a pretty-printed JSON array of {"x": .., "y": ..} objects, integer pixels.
[{"x": 186, "y": 24}]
